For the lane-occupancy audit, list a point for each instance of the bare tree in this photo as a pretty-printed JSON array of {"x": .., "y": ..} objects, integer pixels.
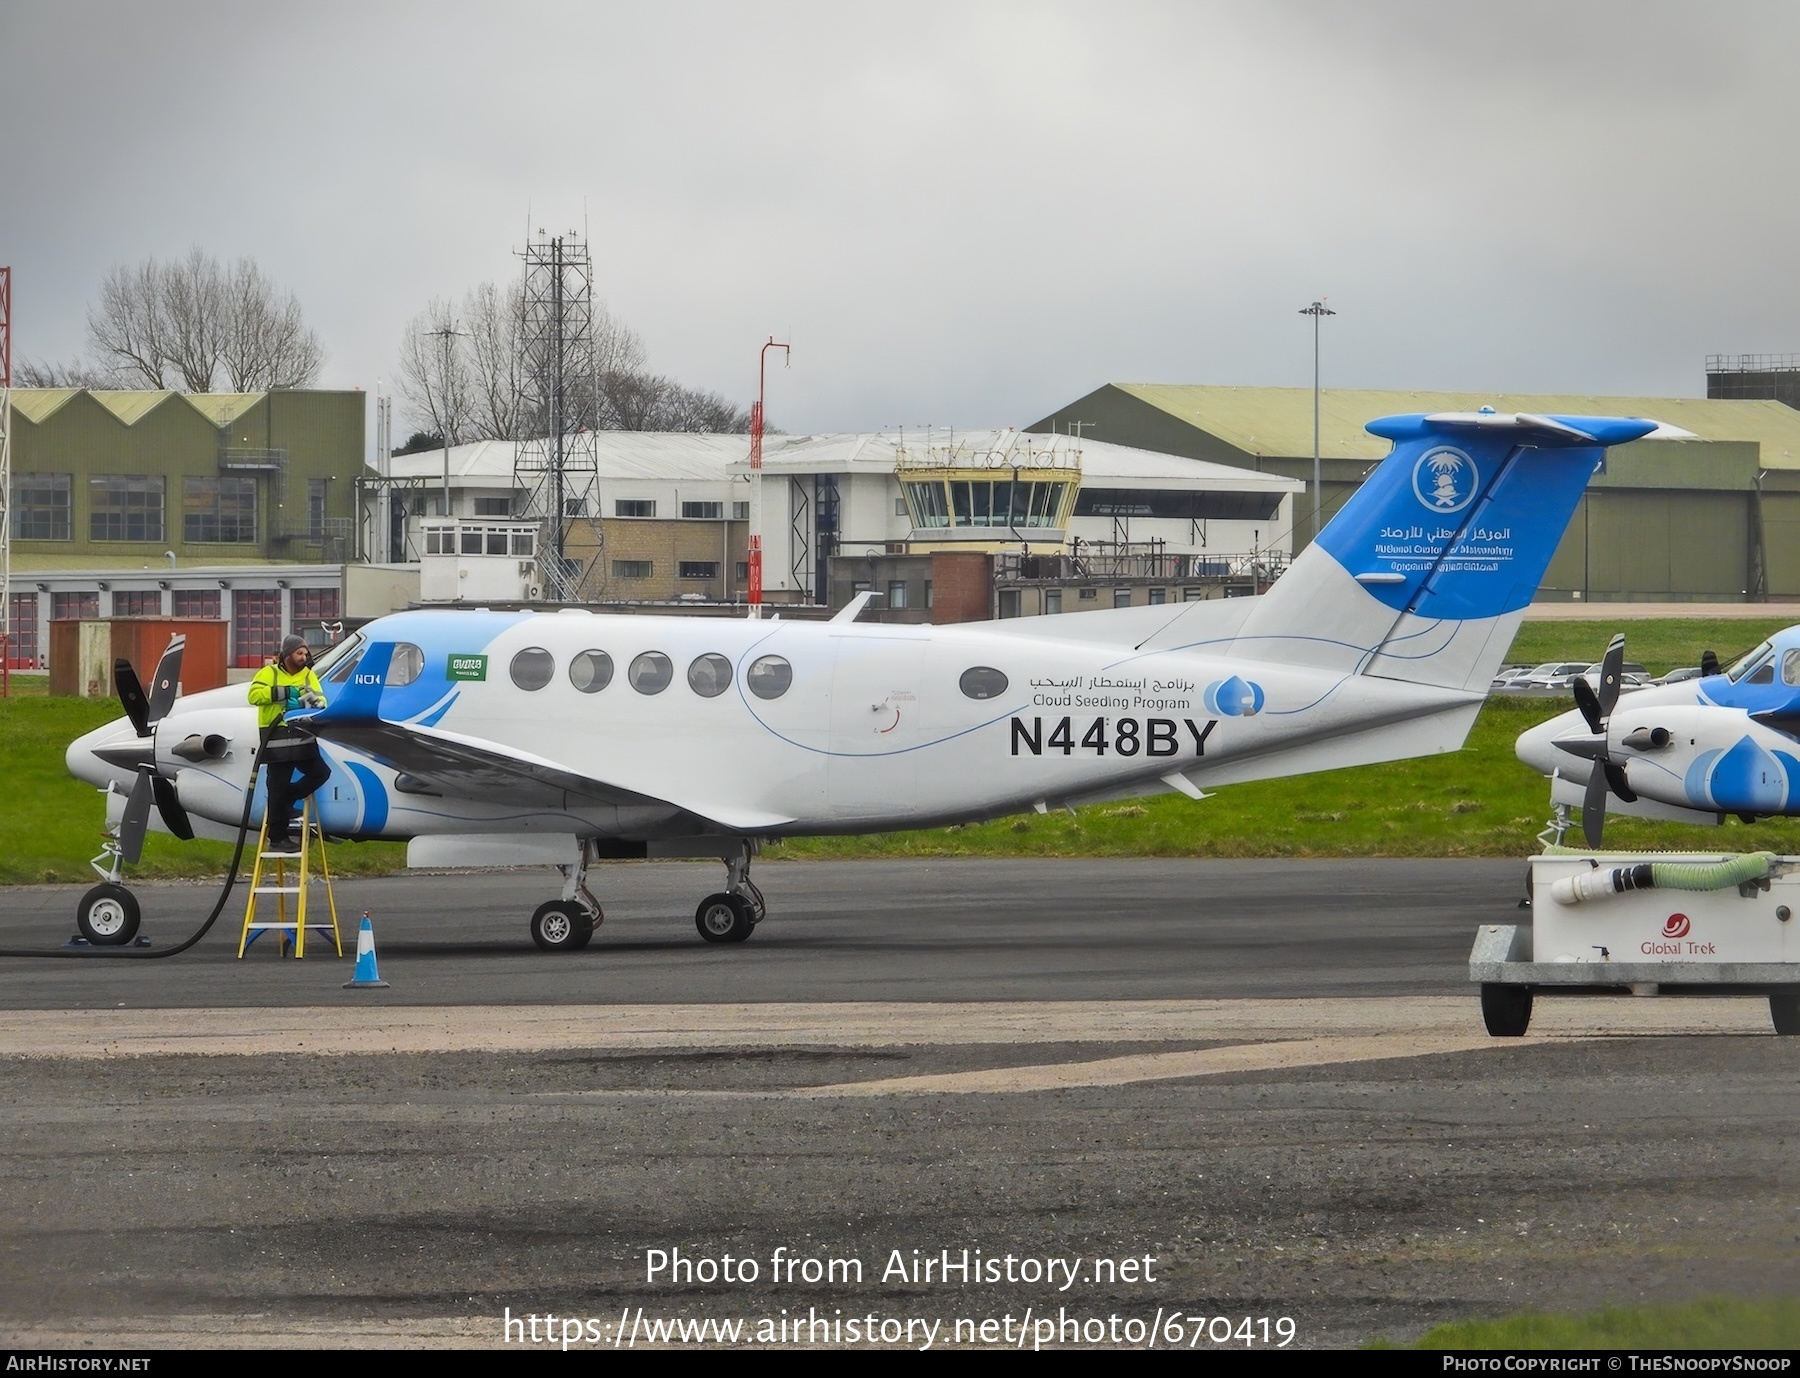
[
  {"x": 435, "y": 377},
  {"x": 193, "y": 324},
  {"x": 127, "y": 328},
  {"x": 491, "y": 318},
  {"x": 463, "y": 373},
  {"x": 651, "y": 402},
  {"x": 266, "y": 342},
  {"x": 77, "y": 373}
]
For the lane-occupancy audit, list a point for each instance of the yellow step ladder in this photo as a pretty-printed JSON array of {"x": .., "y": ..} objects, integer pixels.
[{"x": 281, "y": 889}]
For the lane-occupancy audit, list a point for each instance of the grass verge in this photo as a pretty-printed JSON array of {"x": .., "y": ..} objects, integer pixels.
[{"x": 1711, "y": 1323}]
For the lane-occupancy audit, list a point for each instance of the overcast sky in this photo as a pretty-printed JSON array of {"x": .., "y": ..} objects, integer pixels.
[{"x": 964, "y": 213}]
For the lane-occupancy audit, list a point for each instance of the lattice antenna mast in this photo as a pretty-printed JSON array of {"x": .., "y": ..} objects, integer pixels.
[
  {"x": 5, "y": 472},
  {"x": 555, "y": 466}
]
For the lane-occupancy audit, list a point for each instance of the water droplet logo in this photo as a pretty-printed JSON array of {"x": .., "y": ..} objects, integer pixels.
[
  {"x": 1677, "y": 926},
  {"x": 1444, "y": 479},
  {"x": 1234, "y": 698}
]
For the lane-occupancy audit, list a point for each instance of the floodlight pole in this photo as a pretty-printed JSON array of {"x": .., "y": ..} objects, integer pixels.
[
  {"x": 755, "y": 591},
  {"x": 446, "y": 333},
  {"x": 1316, "y": 310}
]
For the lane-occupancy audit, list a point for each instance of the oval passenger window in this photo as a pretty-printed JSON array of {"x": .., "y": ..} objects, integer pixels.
[
  {"x": 405, "y": 666},
  {"x": 532, "y": 667},
  {"x": 982, "y": 682},
  {"x": 591, "y": 671},
  {"x": 769, "y": 677},
  {"x": 651, "y": 672},
  {"x": 709, "y": 676}
]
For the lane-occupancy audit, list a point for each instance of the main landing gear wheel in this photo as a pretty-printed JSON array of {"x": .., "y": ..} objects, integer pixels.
[
  {"x": 561, "y": 926},
  {"x": 108, "y": 915},
  {"x": 1506, "y": 1010},
  {"x": 724, "y": 918},
  {"x": 1784, "y": 1010}
]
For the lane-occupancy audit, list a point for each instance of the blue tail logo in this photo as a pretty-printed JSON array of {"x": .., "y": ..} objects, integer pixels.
[{"x": 1449, "y": 475}]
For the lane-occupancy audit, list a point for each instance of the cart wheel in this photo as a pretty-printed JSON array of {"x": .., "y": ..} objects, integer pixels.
[
  {"x": 1506, "y": 1010},
  {"x": 1784, "y": 1010}
]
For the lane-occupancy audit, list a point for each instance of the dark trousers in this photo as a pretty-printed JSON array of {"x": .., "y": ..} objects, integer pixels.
[{"x": 286, "y": 790}]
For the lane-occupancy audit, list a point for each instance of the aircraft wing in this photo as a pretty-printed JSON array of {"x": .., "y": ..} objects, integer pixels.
[{"x": 456, "y": 764}]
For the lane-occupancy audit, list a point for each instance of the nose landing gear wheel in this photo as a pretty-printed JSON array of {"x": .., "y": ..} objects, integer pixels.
[
  {"x": 1506, "y": 1010},
  {"x": 561, "y": 926},
  {"x": 1784, "y": 1012},
  {"x": 724, "y": 918},
  {"x": 108, "y": 915}
]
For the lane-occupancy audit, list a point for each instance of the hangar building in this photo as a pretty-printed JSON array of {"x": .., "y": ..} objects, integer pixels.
[{"x": 238, "y": 506}]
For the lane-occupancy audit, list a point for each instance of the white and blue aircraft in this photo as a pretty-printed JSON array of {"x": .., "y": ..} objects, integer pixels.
[
  {"x": 568, "y": 737},
  {"x": 1693, "y": 751}
]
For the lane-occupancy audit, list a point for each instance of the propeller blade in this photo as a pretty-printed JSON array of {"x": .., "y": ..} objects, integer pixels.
[
  {"x": 167, "y": 677},
  {"x": 131, "y": 695},
  {"x": 1589, "y": 704},
  {"x": 1615, "y": 779},
  {"x": 1611, "y": 667},
  {"x": 1593, "y": 808},
  {"x": 137, "y": 816},
  {"x": 168, "y": 804},
  {"x": 1709, "y": 663}
]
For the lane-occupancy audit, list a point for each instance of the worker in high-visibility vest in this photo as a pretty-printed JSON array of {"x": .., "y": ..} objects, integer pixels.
[{"x": 279, "y": 688}]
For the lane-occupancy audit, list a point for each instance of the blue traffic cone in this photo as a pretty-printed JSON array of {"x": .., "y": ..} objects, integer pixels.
[{"x": 365, "y": 975}]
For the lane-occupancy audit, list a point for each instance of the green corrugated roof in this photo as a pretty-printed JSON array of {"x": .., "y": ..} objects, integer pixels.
[
  {"x": 133, "y": 404},
  {"x": 1278, "y": 421},
  {"x": 34, "y": 404},
  {"x": 224, "y": 407},
  {"x": 129, "y": 405}
]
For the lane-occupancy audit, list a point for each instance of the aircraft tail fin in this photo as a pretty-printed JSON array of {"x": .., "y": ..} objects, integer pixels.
[{"x": 1425, "y": 573}]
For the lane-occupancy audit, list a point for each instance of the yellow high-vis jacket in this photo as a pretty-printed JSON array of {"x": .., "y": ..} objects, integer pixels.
[{"x": 273, "y": 690}]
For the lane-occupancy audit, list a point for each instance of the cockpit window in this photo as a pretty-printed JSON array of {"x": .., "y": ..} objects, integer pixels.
[
  {"x": 1790, "y": 667},
  {"x": 406, "y": 666},
  {"x": 336, "y": 664},
  {"x": 1749, "y": 662}
]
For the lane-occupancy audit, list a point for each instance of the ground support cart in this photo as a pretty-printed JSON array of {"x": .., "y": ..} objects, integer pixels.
[{"x": 1646, "y": 924}]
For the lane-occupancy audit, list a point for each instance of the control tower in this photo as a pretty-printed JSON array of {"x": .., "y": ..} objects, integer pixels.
[{"x": 990, "y": 491}]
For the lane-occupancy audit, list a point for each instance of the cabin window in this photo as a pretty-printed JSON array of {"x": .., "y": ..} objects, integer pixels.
[
  {"x": 1790, "y": 667},
  {"x": 651, "y": 672},
  {"x": 769, "y": 677},
  {"x": 982, "y": 682},
  {"x": 533, "y": 667},
  {"x": 591, "y": 671},
  {"x": 407, "y": 664},
  {"x": 709, "y": 676}
]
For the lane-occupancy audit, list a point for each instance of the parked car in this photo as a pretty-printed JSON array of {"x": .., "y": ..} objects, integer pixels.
[
  {"x": 1554, "y": 674},
  {"x": 1631, "y": 676},
  {"x": 1508, "y": 677}
]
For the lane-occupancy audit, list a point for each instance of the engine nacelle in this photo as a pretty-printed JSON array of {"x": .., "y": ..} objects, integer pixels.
[{"x": 1698, "y": 756}]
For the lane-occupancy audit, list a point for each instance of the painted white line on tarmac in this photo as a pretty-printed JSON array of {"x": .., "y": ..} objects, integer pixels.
[{"x": 350, "y": 1029}]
